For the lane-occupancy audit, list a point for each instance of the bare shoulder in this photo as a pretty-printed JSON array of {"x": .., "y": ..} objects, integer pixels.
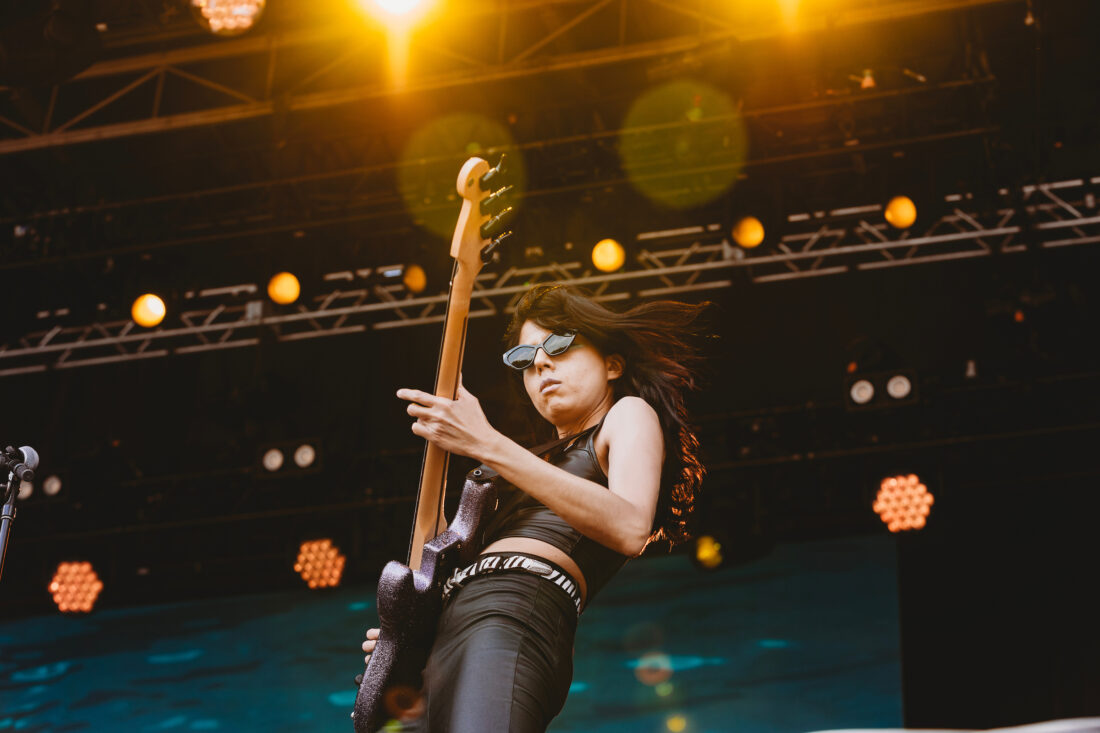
[
  {"x": 627, "y": 411},
  {"x": 631, "y": 419}
]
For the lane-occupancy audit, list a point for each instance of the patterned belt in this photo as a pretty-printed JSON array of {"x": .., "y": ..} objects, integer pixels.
[{"x": 504, "y": 562}]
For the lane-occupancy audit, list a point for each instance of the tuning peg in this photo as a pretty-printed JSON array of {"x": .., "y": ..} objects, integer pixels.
[
  {"x": 495, "y": 174},
  {"x": 487, "y": 250},
  {"x": 495, "y": 203},
  {"x": 496, "y": 225}
]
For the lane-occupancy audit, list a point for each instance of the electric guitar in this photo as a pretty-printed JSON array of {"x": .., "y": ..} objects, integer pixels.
[{"x": 409, "y": 595}]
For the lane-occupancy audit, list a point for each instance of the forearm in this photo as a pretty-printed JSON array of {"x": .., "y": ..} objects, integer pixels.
[{"x": 588, "y": 507}]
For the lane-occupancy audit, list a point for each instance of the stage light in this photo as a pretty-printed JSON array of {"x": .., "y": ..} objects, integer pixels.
[
  {"x": 148, "y": 310},
  {"x": 901, "y": 212},
  {"x": 903, "y": 503},
  {"x": 748, "y": 232},
  {"x": 397, "y": 12},
  {"x": 899, "y": 387},
  {"x": 227, "y": 17},
  {"x": 26, "y": 488},
  {"x": 608, "y": 255},
  {"x": 320, "y": 563},
  {"x": 415, "y": 279},
  {"x": 304, "y": 455},
  {"x": 273, "y": 459},
  {"x": 75, "y": 587},
  {"x": 708, "y": 552},
  {"x": 862, "y": 391},
  {"x": 284, "y": 288},
  {"x": 676, "y": 723},
  {"x": 51, "y": 486}
]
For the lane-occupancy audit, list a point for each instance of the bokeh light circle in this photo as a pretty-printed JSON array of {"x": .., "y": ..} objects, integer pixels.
[
  {"x": 748, "y": 232},
  {"x": 608, "y": 255},
  {"x": 901, "y": 212},
  {"x": 148, "y": 310},
  {"x": 653, "y": 668},
  {"x": 284, "y": 288},
  {"x": 683, "y": 144},
  {"x": 432, "y": 157}
]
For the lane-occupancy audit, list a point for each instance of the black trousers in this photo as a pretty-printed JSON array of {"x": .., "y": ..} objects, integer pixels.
[{"x": 502, "y": 659}]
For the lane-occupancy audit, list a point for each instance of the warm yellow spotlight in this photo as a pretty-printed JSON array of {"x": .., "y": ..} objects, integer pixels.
[
  {"x": 399, "y": 12},
  {"x": 75, "y": 587},
  {"x": 608, "y": 255},
  {"x": 227, "y": 17},
  {"x": 901, "y": 212},
  {"x": 676, "y": 723},
  {"x": 748, "y": 232},
  {"x": 284, "y": 288},
  {"x": 708, "y": 551},
  {"x": 148, "y": 310},
  {"x": 415, "y": 279}
]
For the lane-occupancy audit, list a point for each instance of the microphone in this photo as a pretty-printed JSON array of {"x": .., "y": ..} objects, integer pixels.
[{"x": 21, "y": 462}]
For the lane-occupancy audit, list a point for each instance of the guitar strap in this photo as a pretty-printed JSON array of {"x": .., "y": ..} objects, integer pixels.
[{"x": 484, "y": 473}]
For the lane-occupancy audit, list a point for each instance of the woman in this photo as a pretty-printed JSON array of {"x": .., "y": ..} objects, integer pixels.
[{"x": 624, "y": 474}]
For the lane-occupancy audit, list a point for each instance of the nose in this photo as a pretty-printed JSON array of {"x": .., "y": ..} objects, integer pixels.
[{"x": 542, "y": 359}]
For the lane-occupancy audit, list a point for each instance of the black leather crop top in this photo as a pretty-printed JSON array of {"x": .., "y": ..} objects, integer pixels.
[{"x": 519, "y": 515}]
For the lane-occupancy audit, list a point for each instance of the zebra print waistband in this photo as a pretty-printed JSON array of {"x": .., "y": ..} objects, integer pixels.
[{"x": 501, "y": 562}]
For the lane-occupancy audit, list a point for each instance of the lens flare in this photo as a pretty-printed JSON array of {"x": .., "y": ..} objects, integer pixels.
[
  {"x": 432, "y": 156},
  {"x": 683, "y": 144}
]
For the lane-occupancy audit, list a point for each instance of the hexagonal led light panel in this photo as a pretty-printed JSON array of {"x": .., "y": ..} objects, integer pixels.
[
  {"x": 903, "y": 503},
  {"x": 320, "y": 563},
  {"x": 75, "y": 587}
]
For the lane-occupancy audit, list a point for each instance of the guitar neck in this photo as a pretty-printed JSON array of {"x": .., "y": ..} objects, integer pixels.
[{"x": 430, "y": 520}]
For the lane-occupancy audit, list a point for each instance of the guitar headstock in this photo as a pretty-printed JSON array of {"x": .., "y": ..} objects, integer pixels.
[{"x": 482, "y": 223}]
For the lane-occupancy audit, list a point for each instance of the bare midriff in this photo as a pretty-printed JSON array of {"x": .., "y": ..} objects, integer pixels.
[{"x": 544, "y": 550}]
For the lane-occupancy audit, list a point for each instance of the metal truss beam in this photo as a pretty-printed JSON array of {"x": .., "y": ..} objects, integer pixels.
[
  {"x": 689, "y": 259},
  {"x": 512, "y": 55}
]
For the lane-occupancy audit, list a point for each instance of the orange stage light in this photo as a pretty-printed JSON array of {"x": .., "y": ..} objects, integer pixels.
[
  {"x": 608, "y": 255},
  {"x": 75, "y": 587},
  {"x": 284, "y": 288},
  {"x": 320, "y": 563},
  {"x": 148, "y": 310},
  {"x": 903, "y": 503}
]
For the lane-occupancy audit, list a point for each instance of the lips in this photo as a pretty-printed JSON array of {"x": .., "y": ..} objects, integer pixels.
[{"x": 547, "y": 384}]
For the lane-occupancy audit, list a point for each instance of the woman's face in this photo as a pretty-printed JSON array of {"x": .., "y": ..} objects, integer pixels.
[{"x": 571, "y": 387}]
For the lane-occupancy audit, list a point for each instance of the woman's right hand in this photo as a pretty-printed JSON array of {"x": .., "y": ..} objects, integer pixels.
[{"x": 368, "y": 645}]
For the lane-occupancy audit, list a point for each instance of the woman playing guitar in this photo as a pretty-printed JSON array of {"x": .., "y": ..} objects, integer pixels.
[{"x": 624, "y": 475}]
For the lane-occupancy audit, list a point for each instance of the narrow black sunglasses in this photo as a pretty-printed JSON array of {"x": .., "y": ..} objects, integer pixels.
[{"x": 522, "y": 356}]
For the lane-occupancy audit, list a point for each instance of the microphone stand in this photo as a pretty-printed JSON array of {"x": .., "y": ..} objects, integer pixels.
[
  {"x": 19, "y": 465},
  {"x": 7, "y": 517}
]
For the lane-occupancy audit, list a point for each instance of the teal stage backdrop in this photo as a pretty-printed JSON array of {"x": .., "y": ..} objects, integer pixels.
[{"x": 805, "y": 638}]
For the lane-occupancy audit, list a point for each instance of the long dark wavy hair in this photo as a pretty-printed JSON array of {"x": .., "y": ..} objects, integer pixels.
[{"x": 654, "y": 340}]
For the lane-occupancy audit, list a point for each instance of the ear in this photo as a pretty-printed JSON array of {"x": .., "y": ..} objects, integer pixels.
[{"x": 615, "y": 365}]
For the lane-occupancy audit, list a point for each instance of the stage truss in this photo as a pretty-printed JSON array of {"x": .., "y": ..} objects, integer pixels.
[
  {"x": 689, "y": 259},
  {"x": 511, "y": 41}
]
